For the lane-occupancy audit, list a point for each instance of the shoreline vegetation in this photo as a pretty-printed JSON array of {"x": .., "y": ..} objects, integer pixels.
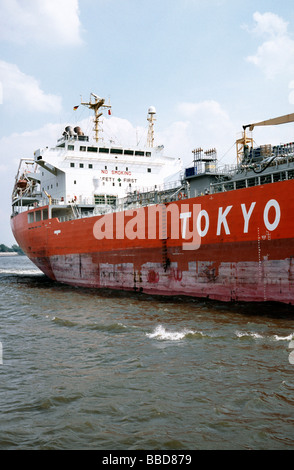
[{"x": 14, "y": 250}]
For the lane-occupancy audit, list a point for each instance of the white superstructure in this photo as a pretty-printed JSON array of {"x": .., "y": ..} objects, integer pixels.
[
  {"x": 88, "y": 173},
  {"x": 91, "y": 175}
]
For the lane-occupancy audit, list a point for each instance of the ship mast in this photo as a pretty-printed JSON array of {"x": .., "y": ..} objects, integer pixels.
[
  {"x": 96, "y": 105},
  {"x": 241, "y": 144},
  {"x": 151, "y": 119}
]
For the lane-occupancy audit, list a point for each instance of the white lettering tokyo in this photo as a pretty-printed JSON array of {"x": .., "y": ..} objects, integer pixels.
[
  {"x": 201, "y": 214},
  {"x": 184, "y": 216},
  {"x": 222, "y": 220},
  {"x": 188, "y": 223},
  {"x": 272, "y": 226},
  {"x": 194, "y": 244},
  {"x": 247, "y": 215}
]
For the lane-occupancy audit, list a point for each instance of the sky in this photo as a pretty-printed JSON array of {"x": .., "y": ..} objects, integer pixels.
[{"x": 208, "y": 67}]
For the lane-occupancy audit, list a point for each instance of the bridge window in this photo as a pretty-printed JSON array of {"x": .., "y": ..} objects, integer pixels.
[
  {"x": 111, "y": 199},
  {"x": 99, "y": 199}
]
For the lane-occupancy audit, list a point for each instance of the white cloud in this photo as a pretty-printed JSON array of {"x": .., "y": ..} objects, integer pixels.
[
  {"x": 275, "y": 56},
  {"x": 123, "y": 132},
  {"x": 45, "y": 21},
  {"x": 21, "y": 90},
  {"x": 269, "y": 24},
  {"x": 206, "y": 124},
  {"x": 208, "y": 107}
]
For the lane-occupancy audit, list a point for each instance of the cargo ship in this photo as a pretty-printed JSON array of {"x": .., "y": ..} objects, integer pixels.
[{"x": 105, "y": 216}]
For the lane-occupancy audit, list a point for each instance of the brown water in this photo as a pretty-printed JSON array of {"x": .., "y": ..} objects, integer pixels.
[{"x": 83, "y": 369}]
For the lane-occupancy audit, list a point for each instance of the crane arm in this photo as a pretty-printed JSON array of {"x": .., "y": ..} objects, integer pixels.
[{"x": 272, "y": 122}]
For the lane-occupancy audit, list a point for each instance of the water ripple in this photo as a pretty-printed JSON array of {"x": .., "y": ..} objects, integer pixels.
[{"x": 88, "y": 369}]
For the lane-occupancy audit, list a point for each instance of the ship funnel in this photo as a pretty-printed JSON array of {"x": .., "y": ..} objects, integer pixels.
[
  {"x": 69, "y": 130},
  {"x": 78, "y": 131}
]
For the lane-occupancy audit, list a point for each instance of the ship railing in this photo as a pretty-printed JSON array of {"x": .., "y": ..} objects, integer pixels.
[
  {"x": 226, "y": 169},
  {"x": 281, "y": 174},
  {"x": 155, "y": 195},
  {"x": 156, "y": 188}
]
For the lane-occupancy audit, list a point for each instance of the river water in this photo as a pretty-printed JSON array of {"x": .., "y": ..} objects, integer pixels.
[{"x": 88, "y": 369}]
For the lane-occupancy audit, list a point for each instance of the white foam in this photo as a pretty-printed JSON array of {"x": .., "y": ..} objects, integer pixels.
[
  {"x": 240, "y": 334},
  {"x": 284, "y": 338},
  {"x": 161, "y": 333}
]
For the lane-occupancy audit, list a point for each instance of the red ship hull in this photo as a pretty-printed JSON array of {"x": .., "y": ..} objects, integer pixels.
[{"x": 233, "y": 246}]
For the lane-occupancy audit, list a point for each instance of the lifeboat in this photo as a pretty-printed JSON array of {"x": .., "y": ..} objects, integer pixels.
[{"x": 21, "y": 183}]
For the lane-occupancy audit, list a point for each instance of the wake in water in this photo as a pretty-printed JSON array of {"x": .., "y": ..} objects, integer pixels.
[
  {"x": 241, "y": 334},
  {"x": 161, "y": 333}
]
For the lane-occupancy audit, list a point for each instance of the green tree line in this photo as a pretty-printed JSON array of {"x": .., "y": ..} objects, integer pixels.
[{"x": 13, "y": 249}]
